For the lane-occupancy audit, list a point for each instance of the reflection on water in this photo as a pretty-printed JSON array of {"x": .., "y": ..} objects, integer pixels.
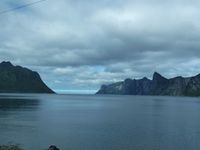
[
  {"x": 93, "y": 122},
  {"x": 9, "y": 103},
  {"x": 17, "y": 113}
]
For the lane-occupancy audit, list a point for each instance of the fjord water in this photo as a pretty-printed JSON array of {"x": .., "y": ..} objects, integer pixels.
[{"x": 96, "y": 122}]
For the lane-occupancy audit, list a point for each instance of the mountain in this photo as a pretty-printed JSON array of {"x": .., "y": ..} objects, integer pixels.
[
  {"x": 159, "y": 85},
  {"x": 16, "y": 79}
]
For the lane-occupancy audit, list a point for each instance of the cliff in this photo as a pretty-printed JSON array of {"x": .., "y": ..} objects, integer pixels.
[{"x": 159, "y": 85}]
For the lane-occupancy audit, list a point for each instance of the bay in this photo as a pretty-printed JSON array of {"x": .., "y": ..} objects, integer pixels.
[{"x": 100, "y": 122}]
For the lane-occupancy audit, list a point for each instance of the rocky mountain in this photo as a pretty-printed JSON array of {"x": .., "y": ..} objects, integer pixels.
[
  {"x": 159, "y": 85},
  {"x": 16, "y": 79}
]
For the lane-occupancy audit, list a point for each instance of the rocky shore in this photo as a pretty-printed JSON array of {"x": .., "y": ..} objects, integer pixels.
[{"x": 15, "y": 147}]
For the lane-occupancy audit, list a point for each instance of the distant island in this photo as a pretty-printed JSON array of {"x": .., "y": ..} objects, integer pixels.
[
  {"x": 159, "y": 85},
  {"x": 17, "y": 79}
]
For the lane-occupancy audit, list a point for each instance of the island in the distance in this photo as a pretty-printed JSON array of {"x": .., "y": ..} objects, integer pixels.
[
  {"x": 17, "y": 79},
  {"x": 159, "y": 85}
]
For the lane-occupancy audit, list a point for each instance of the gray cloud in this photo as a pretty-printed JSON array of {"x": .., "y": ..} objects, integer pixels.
[{"x": 83, "y": 44}]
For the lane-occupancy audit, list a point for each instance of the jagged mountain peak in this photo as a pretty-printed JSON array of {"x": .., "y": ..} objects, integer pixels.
[{"x": 157, "y": 76}]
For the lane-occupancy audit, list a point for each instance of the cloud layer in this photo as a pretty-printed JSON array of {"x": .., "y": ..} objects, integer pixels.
[{"x": 83, "y": 44}]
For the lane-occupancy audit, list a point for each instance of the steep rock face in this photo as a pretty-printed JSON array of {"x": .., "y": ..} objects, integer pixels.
[
  {"x": 193, "y": 86},
  {"x": 141, "y": 87},
  {"x": 115, "y": 88},
  {"x": 159, "y": 85},
  {"x": 176, "y": 86},
  {"x": 16, "y": 79},
  {"x": 127, "y": 87}
]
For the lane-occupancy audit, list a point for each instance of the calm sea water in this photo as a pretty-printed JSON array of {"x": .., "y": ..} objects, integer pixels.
[{"x": 91, "y": 122}]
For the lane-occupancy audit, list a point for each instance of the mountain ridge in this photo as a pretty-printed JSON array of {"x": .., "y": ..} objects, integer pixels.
[{"x": 159, "y": 85}]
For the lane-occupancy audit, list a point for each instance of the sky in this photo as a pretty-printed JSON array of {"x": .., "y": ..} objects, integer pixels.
[{"x": 78, "y": 45}]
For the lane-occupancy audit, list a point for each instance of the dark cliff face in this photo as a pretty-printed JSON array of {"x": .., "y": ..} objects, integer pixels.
[
  {"x": 127, "y": 87},
  {"x": 16, "y": 79},
  {"x": 159, "y": 85},
  {"x": 193, "y": 86},
  {"x": 115, "y": 88}
]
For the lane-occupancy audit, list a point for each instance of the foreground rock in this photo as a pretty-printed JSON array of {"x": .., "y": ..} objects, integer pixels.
[
  {"x": 53, "y": 147},
  {"x": 17, "y": 79},
  {"x": 159, "y": 85}
]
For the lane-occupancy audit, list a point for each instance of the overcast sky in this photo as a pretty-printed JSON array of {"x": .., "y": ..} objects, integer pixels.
[{"x": 81, "y": 44}]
